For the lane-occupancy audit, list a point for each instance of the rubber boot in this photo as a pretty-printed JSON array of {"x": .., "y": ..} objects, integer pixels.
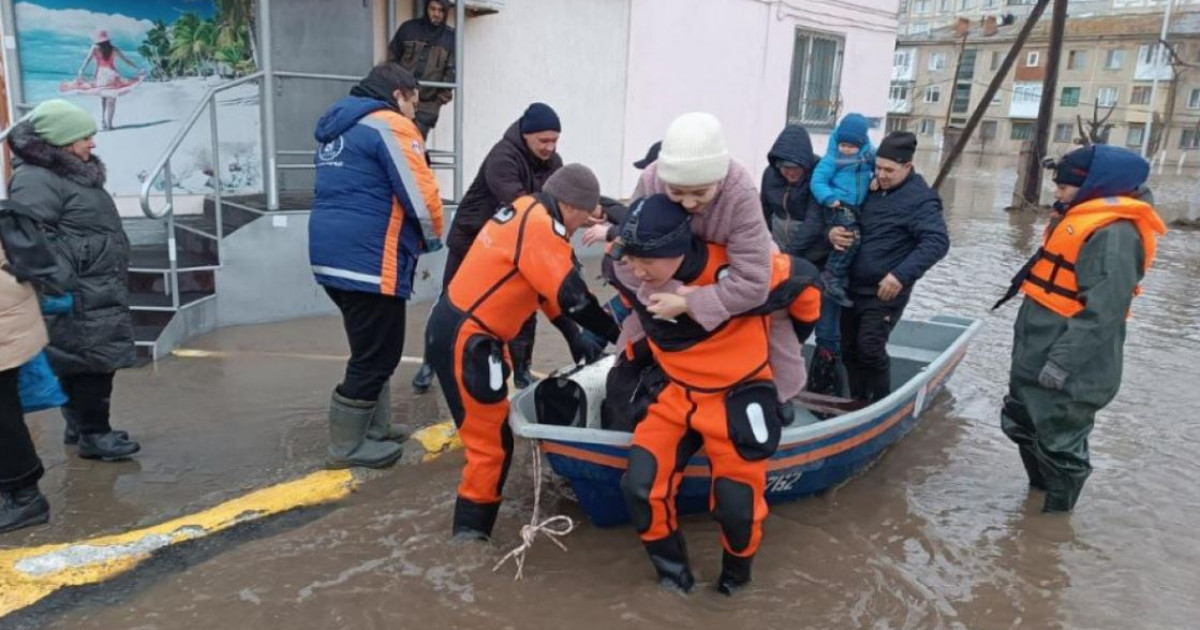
[
  {"x": 381, "y": 428},
  {"x": 835, "y": 290},
  {"x": 423, "y": 380},
  {"x": 23, "y": 508},
  {"x": 735, "y": 573},
  {"x": 348, "y": 444},
  {"x": 474, "y": 521},
  {"x": 109, "y": 447},
  {"x": 1033, "y": 469},
  {"x": 71, "y": 431},
  {"x": 823, "y": 373},
  {"x": 669, "y": 556}
]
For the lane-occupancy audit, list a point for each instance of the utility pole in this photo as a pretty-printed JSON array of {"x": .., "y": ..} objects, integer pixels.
[
  {"x": 990, "y": 93},
  {"x": 1158, "y": 54},
  {"x": 1033, "y": 176}
]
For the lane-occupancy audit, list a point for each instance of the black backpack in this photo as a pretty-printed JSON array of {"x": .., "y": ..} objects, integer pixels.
[{"x": 29, "y": 256}]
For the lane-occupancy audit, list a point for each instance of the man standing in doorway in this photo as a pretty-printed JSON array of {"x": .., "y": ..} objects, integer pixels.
[
  {"x": 903, "y": 235},
  {"x": 425, "y": 47},
  {"x": 1069, "y": 337},
  {"x": 518, "y": 165}
]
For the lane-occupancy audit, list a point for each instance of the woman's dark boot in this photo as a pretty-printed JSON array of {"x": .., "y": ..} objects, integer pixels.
[
  {"x": 23, "y": 508},
  {"x": 423, "y": 380},
  {"x": 109, "y": 447}
]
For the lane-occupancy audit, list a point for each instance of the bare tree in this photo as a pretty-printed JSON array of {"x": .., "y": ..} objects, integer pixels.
[{"x": 1097, "y": 128}]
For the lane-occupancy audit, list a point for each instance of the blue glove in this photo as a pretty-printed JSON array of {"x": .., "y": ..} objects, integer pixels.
[
  {"x": 433, "y": 244},
  {"x": 57, "y": 304}
]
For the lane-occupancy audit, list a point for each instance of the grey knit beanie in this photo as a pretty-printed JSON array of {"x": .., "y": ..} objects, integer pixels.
[{"x": 575, "y": 185}]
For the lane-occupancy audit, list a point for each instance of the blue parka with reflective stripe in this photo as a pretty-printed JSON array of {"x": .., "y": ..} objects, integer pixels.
[{"x": 376, "y": 199}]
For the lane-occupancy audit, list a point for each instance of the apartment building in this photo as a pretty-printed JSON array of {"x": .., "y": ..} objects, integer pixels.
[
  {"x": 1105, "y": 73},
  {"x": 918, "y": 17}
]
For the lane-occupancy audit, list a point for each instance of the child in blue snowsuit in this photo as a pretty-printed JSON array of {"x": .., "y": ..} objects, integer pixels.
[{"x": 840, "y": 184}]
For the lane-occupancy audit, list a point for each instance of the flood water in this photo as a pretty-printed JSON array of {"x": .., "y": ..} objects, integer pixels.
[{"x": 941, "y": 533}]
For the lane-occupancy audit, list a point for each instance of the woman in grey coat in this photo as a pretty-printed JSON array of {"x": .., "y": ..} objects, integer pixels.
[{"x": 62, "y": 183}]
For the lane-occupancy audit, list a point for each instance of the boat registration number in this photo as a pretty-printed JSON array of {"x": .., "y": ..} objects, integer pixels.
[{"x": 782, "y": 482}]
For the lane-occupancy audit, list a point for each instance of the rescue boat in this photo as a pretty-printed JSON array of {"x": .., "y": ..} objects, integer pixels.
[{"x": 830, "y": 441}]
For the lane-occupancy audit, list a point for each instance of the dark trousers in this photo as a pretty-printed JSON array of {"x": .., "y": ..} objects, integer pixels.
[
  {"x": 375, "y": 329},
  {"x": 89, "y": 400},
  {"x": 837, "y": 266},
  {"x": 521, "y": 346},
  {"x": 866, "y": 327},
  {"x": 19, "y": 463}
]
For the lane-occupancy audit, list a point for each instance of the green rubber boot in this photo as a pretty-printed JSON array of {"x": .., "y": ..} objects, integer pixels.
[{"x": 348, "y": 444}]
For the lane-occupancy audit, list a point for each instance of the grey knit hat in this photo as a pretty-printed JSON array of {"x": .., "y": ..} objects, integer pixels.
[{"x": 575, "y": 185}]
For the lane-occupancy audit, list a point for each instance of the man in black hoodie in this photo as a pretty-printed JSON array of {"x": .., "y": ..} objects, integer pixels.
[
  {"x": 425, "y": 47},
  {"x": 785, "y": 192},
  {"x": 518, "y": 165}
]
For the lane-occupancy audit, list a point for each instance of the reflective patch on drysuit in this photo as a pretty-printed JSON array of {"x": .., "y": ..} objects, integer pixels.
[
  {"x": 485, "y": 374},
  {"x": 752, "y": 410}
]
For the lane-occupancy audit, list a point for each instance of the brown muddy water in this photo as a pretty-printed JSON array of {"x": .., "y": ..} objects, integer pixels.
[{"x": 940, "y": 533}]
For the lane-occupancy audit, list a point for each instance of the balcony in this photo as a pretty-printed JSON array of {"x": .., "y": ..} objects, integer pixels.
[
  {"x": 1026, "y": 99},
  {"x": 899, "y": 106},
  {"x": 1148, "y": 70}
]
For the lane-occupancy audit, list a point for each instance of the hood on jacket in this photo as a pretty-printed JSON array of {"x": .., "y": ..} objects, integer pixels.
[
  {"x": 864, "y": 151},
  {"x": 345, "y": 114},
  {"x": 514, "y": 137},
  {"x": 30, "y": 148},
  {"x": 793, "y": 145},
  {"x": 1114, "y": 171}
]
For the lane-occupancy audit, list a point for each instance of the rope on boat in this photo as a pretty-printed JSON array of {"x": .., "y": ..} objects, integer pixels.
[{"x": 552, "y": 528}]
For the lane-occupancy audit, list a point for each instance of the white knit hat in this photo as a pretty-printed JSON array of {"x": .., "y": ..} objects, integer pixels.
[{"x": 693, "y": 151}]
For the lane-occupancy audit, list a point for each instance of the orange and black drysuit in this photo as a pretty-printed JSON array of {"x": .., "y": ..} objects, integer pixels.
[
  {"x": 521, "y": 260},
  {"x": 719, "y": 395}
]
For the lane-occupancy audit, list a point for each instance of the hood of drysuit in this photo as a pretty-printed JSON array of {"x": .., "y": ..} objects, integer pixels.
[{"x": 793, "y": 145}]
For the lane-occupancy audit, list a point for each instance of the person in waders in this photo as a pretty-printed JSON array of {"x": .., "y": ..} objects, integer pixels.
[
  {"x": 520, "y": 262},
  {"x": 719, "y": 392},
  {"x": 1069, "y": 335}
]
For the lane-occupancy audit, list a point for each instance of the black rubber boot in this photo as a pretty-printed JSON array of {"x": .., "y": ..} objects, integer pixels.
[
  {"x": 669, "y": 556},
  {"x": 1033, "y": 469},
  {"x": 823, "y": 374},
  {"x": 109, "y": 447},
  {"x": 735, "y": 573},
  {"x": 522, "y": 377},
  {"x": 423, "y": 380},
  {"x": 23, "y": 508},
  {"x": 71, "y": 431},
  {"x": 474, "y": 521}
]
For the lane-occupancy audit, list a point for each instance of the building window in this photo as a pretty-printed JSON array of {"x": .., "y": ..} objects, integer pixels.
[
  {"x": 996, "y": 98},
  {"x": 996, "y": 59},
  {"x": 1190, "y": 139},
  {"x": 902, "y": 60},
  {"x": 987, "y": 129},
  {"x": 1148, "y": 54},
  {"x": 897, "y": 124},
  {"x": 1115, "y": 60},
  {"x": 933, "y": 94},
  {"x": 1140, "y": 95},
  {"x": 921, "y": 6},
  {"x": 1033, "y": 59},
  {"x": 1107, "y": 97},
  {"x": 926, "y": 128},
  {"x": 1070, "y": 97},
  {"x": 967, "y": 5},
  {"x": 899, "y": 92},
  {"x": 1022, "y": 131},
  {"x": 944, "y": 6},
  {"x": 1063, "y": 132},
  {"x": 937, "y": 61},
  {"x": 816, "y": 80},
  {"x": 1194, "y": 99},
  {"x": 989, "y": 4},
  {"x": 919, "y": 28},
  {"x": 962, "y": 99},
  {"x": 1027, "y": 93},
  {"x": 1077, "y": 60},
  {"x": 1135, "y": 136}
]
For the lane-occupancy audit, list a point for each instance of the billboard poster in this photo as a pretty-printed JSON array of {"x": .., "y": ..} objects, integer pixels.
[{"x": 141, "y": 67}]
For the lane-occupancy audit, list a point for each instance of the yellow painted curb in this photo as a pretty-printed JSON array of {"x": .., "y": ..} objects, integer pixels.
[{"x": 30, "y": 574}]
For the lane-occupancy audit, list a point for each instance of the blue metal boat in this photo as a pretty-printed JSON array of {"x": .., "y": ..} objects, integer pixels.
[{"x": 814, "y": 453}]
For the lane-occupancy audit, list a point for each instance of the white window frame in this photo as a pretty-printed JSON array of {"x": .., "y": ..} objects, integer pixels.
[
  {"x": 902, "y": 59},
  {"x": 926, "y": 127},
  {"x": 1076, "y": 55},
  {"x": 899, "y": 92},
  {"x": 1108, "y": 102},
  {"x": 1139, "y": 89},
  {"x": 805, "y": 108},
  {"x": 1194, "y": 99},
  {"x": 1027, "y": 93},
  {"x": 945, "y": 5},
  {"x": 933, "y": 90},
  {"x": 1194, "y": 135},
  {"x": 1022, "y": 124},
  {"x": 1033, "y": 59},
  {"x": 921, "y": 6},
  {"x": 1135, "y": 141},
  {"x": 937, "y": 62},
  {"x": 1070, "y": 132},
  {"x": 966, "y": 5}
]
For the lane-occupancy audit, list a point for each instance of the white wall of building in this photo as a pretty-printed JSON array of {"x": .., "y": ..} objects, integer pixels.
[{"x": 733, "y": 58}]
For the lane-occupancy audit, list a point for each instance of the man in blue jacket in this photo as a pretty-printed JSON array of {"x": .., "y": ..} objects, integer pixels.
[{"x": 903, "y": 235}]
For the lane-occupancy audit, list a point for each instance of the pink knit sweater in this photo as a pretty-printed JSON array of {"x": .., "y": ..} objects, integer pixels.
[{"x": 734, "y": 218}]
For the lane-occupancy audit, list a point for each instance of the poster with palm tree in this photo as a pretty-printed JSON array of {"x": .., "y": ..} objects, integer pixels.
[{"x": 141, "y": 66}]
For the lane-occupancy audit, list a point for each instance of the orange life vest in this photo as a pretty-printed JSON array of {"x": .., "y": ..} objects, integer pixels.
[{"x": 1051, "y": 280}]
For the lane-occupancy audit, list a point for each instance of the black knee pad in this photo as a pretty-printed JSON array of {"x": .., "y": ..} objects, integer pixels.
[
  {"x": 485, "y": 373},
  {"x": 636, "y": 484},
  {"x": 755, "y": 425},
  {"x": 734, "y": 511}
]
